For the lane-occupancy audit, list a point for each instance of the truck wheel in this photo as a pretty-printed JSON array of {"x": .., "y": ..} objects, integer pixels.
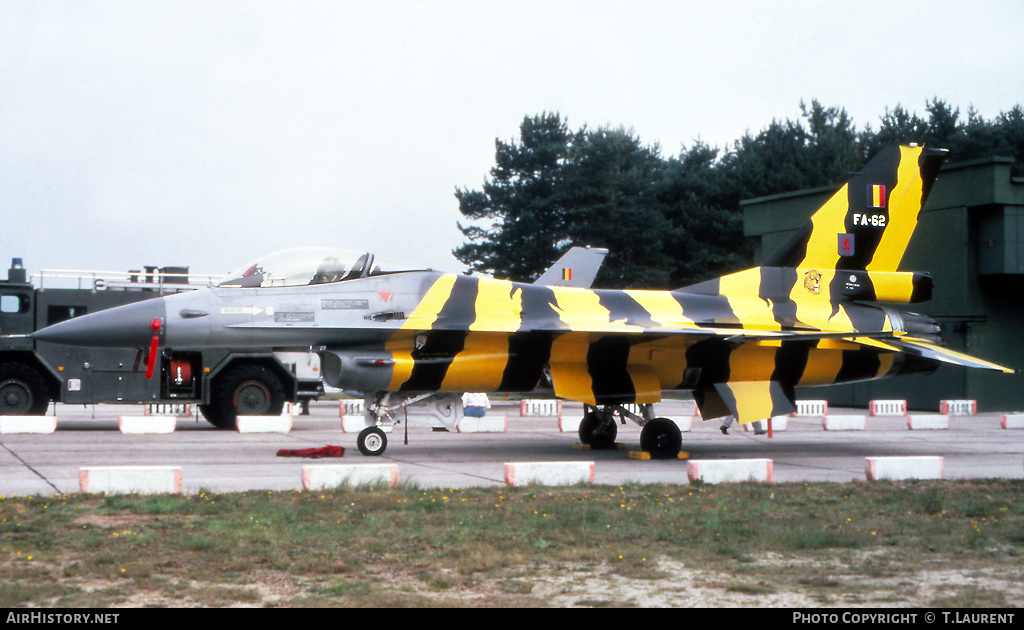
[
  {"x": 23, "y": 391},
  {"x": 210, "y": 413},
  {"x": 246, "y": 390}
]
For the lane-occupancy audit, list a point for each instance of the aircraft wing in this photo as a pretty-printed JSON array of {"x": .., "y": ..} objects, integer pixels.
[{"x": 576, "y": 268}]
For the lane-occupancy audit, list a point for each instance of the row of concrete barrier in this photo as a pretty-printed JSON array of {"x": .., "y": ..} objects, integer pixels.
[
  {"x": 803, "y": 408},
  {"x": 168, "y": 479},
  {"x": 486, "y": 424},
  {"x": 819, "y": 408},
  {"x": 145, "y": 424}
]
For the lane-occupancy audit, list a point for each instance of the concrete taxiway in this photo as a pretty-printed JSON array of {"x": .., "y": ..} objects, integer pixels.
[{"x": 222, "y": 461}]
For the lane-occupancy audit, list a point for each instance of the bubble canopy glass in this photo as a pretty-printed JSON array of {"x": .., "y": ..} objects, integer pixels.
[{"x": 312, "y": 265}]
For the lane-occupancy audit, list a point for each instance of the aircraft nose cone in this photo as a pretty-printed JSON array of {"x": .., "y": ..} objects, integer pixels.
[{"x": 129, "y": 326}]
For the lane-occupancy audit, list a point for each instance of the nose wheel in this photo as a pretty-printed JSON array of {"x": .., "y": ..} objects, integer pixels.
[{"x": 372, "y": 441}]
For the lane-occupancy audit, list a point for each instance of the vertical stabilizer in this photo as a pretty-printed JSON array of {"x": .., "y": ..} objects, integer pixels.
[{"x": 868, "y": 223}]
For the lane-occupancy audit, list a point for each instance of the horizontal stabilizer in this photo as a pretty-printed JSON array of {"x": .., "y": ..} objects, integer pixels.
[{"x": 923, "y": 349}]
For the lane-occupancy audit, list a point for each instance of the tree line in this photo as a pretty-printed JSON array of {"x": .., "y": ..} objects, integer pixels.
[{"x": 673, "y": 221}]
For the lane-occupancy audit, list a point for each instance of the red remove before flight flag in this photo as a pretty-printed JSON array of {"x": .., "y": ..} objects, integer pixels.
[{"x": 153, "y": 347}]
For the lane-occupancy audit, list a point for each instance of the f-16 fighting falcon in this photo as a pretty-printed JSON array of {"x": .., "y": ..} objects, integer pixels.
[{"x": 741, "y": 343}]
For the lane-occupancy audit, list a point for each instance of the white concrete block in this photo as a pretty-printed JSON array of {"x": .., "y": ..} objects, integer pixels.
[
  {"x": 540, "y": 408},
  {"x": 28, "y": 424},
  {"x": 147, "y": 424},
  {"x": 888, "y": 407},
  {"x": 353, "y": 424},
  {"x": 326, "y": 476},
  {"x": 264, "y": 424},
  {"x": 486, "y": 424},
  {"x": 130, "y": 479},
  {"x": 685, "y": 423},
  {"x": 927, "y": 422},
  {"x": 353, "y": 407},
  {"x": 729, "y": 470},
  {"x": 779, "y": 423},
  {"x": 168, "y": 409},
  {"x": 958, "y": 407},
  {"x": 1013, "y": 421},
  {"x": 895, "y": 468},
  {"x": 811, "y": 408},
  {"x": 569, "y": 425},
  {"x": 844, "y": 423},
  {"x": 548, "y": 473}
]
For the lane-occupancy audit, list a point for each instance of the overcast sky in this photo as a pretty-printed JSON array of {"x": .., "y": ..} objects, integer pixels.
[{"x": 206, "y": 133}]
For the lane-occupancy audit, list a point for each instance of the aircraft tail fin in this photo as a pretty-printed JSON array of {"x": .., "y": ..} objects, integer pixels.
[
  {"x": 576, "y": 268},
  {"x": 867, "y": 224}
]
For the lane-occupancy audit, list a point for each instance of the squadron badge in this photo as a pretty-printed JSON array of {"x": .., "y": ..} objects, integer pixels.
[{"x": 812, "y": 281}]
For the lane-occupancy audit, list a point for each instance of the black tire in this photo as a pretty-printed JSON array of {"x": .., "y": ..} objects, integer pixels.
[
  {"x": 211, "y": 416},
  {"x": 372, "y": 441},
  {"x": 23, "y": 391},
  {"x": 661, "y": 438},
  {"x": 245, "y": 390},
  {"x": 597, "y": 433}
]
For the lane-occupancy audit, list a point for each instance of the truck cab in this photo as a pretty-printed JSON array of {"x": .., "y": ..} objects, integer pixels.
[{"x": 222, "y": 382}]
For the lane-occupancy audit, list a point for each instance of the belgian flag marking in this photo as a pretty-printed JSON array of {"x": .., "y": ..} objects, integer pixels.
[
  {"x": 876, "y": 196},
  {"x": 567, "y": 274}
]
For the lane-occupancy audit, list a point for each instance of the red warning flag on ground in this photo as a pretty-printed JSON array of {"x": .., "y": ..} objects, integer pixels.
[{"x": 314, "y": 453}]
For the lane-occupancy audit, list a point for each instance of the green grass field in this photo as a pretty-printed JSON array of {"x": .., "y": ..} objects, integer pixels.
[{"x": 943, "y": 543}]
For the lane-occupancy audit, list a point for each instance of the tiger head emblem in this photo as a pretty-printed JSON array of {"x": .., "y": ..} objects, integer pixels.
[{"x": 812, "y": 281}]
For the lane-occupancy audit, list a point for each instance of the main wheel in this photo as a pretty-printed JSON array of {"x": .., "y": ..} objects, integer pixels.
[
  {"x": 372, "y": 441},
  {"x": 661, "y": 438},
  {"x": 598, "y": 432},
  {"x": 246, "y": 390},
  {"x": 23, "y": 391}
]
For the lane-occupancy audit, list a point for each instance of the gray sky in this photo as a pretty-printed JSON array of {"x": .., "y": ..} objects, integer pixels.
[{"x": 206, "y": 133}]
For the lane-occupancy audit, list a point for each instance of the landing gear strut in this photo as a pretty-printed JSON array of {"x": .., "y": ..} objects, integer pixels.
[
  {"x": 660, "y": 437},
  {"x": 597, "y": 429},
  {"x": 381, "y": 414}
]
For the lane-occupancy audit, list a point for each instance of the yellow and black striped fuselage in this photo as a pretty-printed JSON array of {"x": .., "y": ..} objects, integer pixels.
[{"x": 614, "y": 347}]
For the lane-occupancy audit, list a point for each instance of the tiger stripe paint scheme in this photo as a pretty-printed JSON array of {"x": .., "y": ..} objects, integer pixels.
[
  {"x": 741, "y": 343},
  {"x": 613, "y": 347}
]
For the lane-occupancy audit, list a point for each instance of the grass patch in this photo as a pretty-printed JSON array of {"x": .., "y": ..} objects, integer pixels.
[{"x": 416, "y": 547}]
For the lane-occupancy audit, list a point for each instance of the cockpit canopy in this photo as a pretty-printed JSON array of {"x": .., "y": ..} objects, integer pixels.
[{"x": 312, "y": 265}]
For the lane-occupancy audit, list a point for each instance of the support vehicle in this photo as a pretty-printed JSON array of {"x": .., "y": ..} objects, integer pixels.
[{"x": 224, "y": 382}]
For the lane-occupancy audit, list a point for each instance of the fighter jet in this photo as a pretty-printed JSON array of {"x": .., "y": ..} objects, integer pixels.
[{"x": 741, "y": 343}]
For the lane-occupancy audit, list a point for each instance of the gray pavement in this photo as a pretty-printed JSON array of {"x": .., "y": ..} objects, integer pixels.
[{"x": 221, "y": 461}]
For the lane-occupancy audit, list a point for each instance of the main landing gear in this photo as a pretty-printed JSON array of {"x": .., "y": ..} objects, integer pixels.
[{"x": 659, "y": 436}]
